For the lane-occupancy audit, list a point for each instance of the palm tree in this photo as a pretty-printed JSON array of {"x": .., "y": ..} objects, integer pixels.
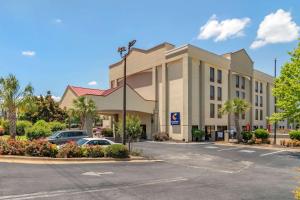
[
  {"x": 236, "y": 107},
  {"x": 13, "y": 98},
  {"x": 84, "y": 107}
]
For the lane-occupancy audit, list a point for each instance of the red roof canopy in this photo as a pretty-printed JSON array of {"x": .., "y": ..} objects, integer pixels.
[{"x": 81, "y": 91}]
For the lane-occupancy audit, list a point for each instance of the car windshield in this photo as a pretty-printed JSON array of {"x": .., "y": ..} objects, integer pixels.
[
  {"x": 56, "y": 134},
  {"x": 81, "y": 141}
]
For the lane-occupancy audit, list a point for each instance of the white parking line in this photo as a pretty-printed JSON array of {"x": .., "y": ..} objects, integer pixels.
[
  {"x": 96, "y": 173},
  {"x": 228, "y": 149},
  {"x": 247, "y": 151},
  {"x": 211, "y": 147},
  {"x": 271, "y": 153}
]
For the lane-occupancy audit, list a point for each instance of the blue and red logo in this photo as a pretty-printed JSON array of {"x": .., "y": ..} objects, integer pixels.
[{"x": 175, "y": 118}]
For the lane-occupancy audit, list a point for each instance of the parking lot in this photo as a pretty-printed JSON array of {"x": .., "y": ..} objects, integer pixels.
[{"x": 187, "y": 171}]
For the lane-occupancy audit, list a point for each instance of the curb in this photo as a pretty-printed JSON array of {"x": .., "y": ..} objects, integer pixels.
[
  {"x": 260, "y": 147},
  {"x": 46, "y": 160}
]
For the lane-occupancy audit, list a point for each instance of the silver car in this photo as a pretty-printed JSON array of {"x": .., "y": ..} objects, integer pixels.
[
  {"x": 94, "y": 141},
  {"x": 62, "y": 137}
]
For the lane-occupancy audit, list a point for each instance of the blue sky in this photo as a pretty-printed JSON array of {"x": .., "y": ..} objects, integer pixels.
[{"x": 58, "y": 42}]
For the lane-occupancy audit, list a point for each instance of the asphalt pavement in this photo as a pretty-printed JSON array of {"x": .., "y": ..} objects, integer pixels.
[{"x": 188, "y": 171}]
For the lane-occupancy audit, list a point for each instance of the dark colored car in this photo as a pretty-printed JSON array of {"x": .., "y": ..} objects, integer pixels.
[{"x": 62, "y": 137}]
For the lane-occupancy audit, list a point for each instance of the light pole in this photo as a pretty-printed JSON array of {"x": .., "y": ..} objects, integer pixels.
[
  {"x": 124, "y": 53},
  {"x": 275, "y": 109}
]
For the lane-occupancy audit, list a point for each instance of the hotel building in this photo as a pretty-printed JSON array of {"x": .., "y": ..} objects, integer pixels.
[{"x": 187, "y": 81}]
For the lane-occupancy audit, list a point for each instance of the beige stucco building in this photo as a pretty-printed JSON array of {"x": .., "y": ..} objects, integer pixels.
[{"x": 188, "y": 81}]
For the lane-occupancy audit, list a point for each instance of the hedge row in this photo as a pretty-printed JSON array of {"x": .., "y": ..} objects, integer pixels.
[
  {"x": 34, "y": 131},
  {"x": 42, "y": 148}
]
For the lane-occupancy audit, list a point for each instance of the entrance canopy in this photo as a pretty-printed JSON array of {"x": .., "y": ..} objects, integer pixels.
[{"x": 108, "y": 101}]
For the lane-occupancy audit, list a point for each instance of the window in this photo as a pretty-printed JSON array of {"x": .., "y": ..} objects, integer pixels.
[
  {"x": 256, "y": 114},
  {"x": 237, "y": 81},
  {"x": 219, "y": 108},
  {"x": 212, "y": 110},
  {"x": 261, "y": 88},
  {"x": 219, "y": 76},
  {"x": 237, "y": 94},
  {"x": 243, "y": 95},
  {"x": 212, "y": 92},
  {"x": 261, "y": 101},
  {"x": 219, "y": 94},
  {"x": 256, "y": 86},
  {"x": 261, "y": 115},
  {"x": 212, "y": 74},
  {"x": 243, "y": 82},
  {"x": 256, "y": 100}
]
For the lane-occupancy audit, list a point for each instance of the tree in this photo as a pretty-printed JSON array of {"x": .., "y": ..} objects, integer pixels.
[
  {"x": 44, "y": 108},
  {"x": 287, "y": 89},
  {"x": 13, "y": 98},
  {"x": 133, "y": 128},
  {"x": 236, "y": 107},
  {"x": 84, "y": 108}
]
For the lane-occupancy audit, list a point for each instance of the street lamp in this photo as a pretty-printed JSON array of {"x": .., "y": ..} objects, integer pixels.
[
  {"x": 124, "y": 53},
  {"x": 275, "y": 109}
]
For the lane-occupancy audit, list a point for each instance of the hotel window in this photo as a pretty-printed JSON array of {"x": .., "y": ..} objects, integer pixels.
[
  {"x": 261, "y": 88},
  {"x": 212, "y": 110},
  {"x": 261, "y": 115},
  {"x": 261, "y": 101},
  {"x": 256, "y": 86},
  {"x": 219, "y": 94},
  {"x": 212, "y": 92},
  {"x": 212, "y": 74},
  {"x": 237, "y": 94},
  {"x": 256, "y": 100},
  {"x": 219, "y": 113},
  {"x": 256, "y": 114},
  {"x": 243, "y": 95},
  {"x": 219, "y": 76},
  {"x": 243, "y": 82},
  {"x": 237, "y": 81}
]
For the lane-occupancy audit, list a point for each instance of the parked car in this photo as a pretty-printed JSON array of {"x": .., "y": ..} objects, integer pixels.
[
  {"x": 62, "y": 137},
  {"x": 94, "y": 141}
]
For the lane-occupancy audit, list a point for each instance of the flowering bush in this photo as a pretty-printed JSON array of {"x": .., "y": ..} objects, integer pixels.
[
  {"x": 94, "y": 151},
  {"x": 70, "y": 150},
  {"x": 117, "y": 151},
  {"x": 41, "y": 148},
  {"x": 12, "y": 147}
]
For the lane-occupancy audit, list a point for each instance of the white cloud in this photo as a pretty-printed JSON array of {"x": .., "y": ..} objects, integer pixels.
[
  {"x": 28, "y": 53},
  {"x": 58, "y": 21},
  {"x": 55, "y": 98},
  {"x": 223, "y": 30},
  {"x": 277, "y": 27},
  {"x": 92, "y": 83}
]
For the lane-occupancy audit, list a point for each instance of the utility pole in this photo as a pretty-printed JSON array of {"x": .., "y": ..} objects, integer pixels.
[
  {"x": 121, "y": 50},
  {"x": 275, "y": 108}
]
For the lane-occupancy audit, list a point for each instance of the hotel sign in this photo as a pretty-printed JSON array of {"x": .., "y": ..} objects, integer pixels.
[{"x": 175, "y": 118}]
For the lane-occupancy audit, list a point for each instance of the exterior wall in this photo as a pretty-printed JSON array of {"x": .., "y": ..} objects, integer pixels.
[
  {"x": 67, "y": 100},
  {"x": 195, "y": 120},
  {"x": 175, "y": 96}
]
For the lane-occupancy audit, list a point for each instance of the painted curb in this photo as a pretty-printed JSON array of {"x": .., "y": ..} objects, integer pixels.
[{"x": 46, "y": 160}]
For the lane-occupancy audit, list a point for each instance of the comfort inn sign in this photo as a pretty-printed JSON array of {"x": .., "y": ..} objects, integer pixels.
[{"x": 175, "y": 118}]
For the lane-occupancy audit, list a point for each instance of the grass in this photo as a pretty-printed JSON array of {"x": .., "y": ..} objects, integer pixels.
[{"x": 6, "y": 137}]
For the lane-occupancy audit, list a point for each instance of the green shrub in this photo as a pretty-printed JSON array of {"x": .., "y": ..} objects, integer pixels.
[
  {"x": 247, "y": 135},
  {"x": 40, "y": 129},
  {"x": 12, "y": 147},
  {"x": 197, "y": 134},
  {"x": 94, "y": 151},
  {"x": 22, "y": 125},
  {"x": 57, "y": 126},
  {"x": 117, "y": 151},
  {"x": 294, "y": 135},
  {"x": 5, "y": 126},
  {"x": 261, "y": 133},
  {"x": 107, "y": 132},
  {"x": 41, "y": 148},
  {"x": 70, "y": 150}
]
